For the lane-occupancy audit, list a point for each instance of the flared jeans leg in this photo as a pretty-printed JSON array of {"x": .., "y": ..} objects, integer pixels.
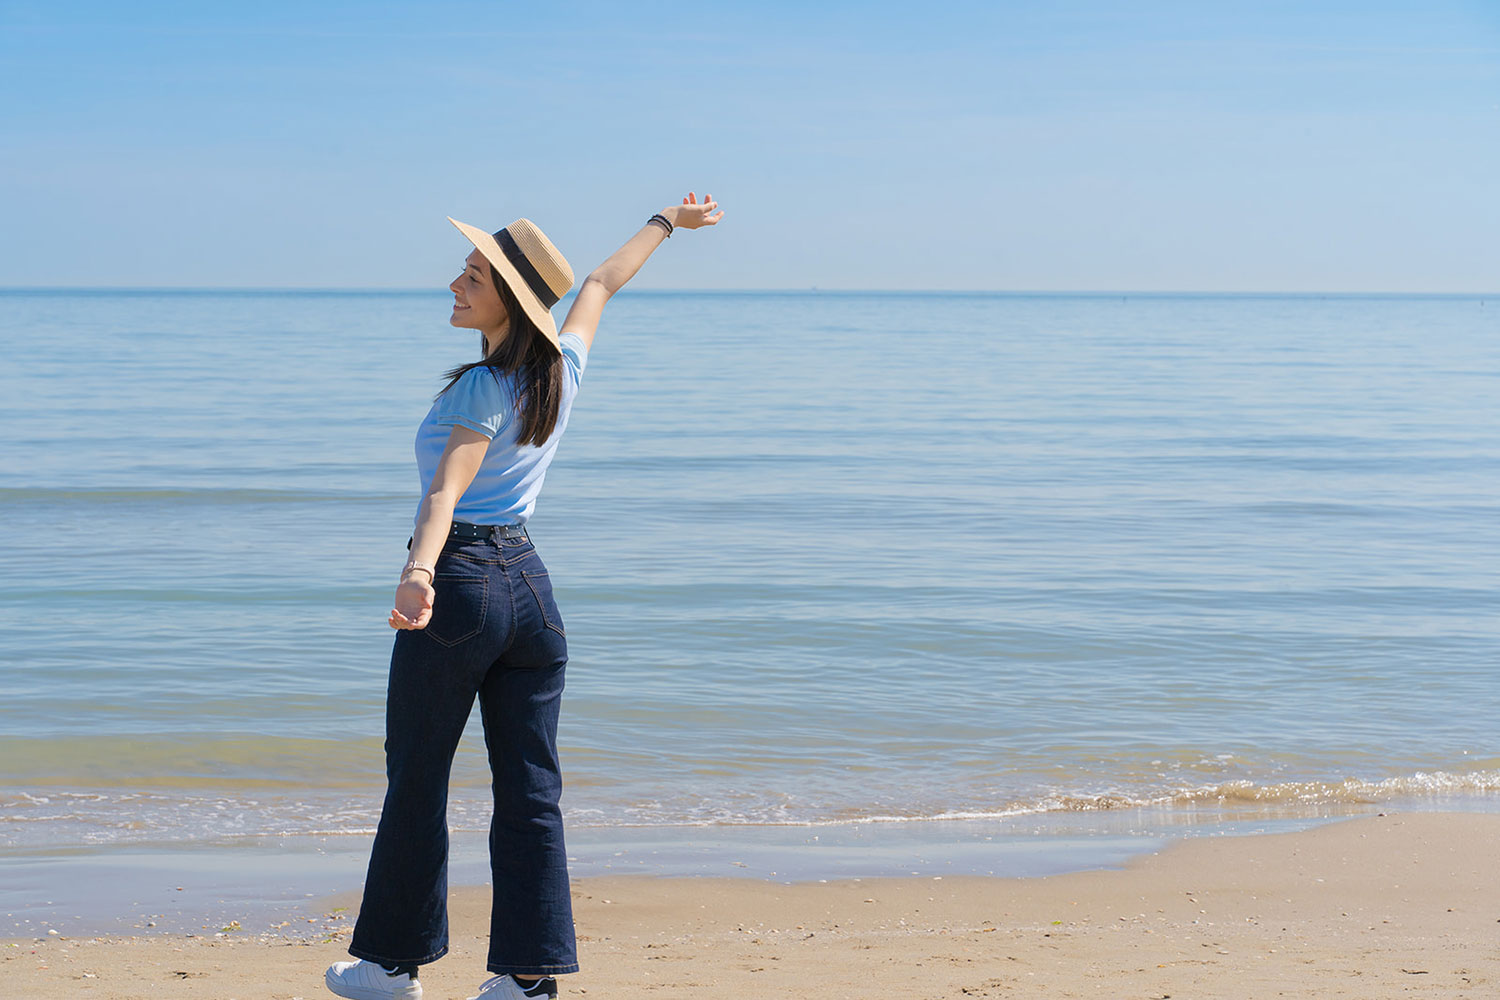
[
  {"x": 531, "y": 918},
  {"x": 403, "y": 919}
]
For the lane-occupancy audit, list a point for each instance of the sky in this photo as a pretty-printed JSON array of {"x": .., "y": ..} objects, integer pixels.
[{"x": 1046, "y": 146}]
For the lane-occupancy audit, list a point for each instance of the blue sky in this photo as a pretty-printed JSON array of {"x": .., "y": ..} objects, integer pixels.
[{"x": 1049, "y": 146}]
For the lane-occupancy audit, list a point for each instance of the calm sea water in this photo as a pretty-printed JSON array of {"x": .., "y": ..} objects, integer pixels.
[{"x": 823, "y": 557}]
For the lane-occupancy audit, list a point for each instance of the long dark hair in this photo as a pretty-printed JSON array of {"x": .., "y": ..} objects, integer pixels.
[{"x": 537, "y": 367}]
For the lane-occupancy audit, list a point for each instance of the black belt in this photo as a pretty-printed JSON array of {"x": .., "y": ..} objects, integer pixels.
[{"x": 463, "y": 529}]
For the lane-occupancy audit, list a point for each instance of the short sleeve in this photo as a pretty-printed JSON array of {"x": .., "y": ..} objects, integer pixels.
[
  {"x": 477, "y": 401},
  {"x": 575, "y": 355}
]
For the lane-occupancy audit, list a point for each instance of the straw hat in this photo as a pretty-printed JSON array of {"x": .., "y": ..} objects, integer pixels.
[{"x": 529, "y": 264}]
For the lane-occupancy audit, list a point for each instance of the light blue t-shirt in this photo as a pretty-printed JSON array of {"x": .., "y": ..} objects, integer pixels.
[{"x": 504, "y": 490}]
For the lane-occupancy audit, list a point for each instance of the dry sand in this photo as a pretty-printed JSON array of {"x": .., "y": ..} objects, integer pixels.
[{"x": 1389, "y": 906}]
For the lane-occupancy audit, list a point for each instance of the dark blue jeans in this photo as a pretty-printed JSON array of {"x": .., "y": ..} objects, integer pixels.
[{"x": 496, "y": 634}]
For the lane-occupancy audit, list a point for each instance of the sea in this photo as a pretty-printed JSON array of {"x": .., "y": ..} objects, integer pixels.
[{"x": 854, "y": 583}]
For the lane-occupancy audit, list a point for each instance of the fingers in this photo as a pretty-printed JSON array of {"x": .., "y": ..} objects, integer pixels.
[
  {"x": 399, "y": 621},
  {"x": 705, "y": 214}
]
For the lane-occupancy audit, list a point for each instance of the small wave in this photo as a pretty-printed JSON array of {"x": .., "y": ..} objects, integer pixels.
[
  {"x": 55, "y": 818},
  {"x": 1351, "y": 791},
  {"x": 1348, "y": 791},
  {"x": 23, "y": 799}
]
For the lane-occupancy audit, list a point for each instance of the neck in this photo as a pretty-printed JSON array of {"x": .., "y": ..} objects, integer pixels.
[{"x": 494, "y": 338}]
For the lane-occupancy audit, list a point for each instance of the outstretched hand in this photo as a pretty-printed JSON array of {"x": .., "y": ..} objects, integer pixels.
[{"x": 694, "y": 214}]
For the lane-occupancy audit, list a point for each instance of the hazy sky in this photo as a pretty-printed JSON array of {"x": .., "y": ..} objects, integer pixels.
[{"x": 1147, "y": 145}]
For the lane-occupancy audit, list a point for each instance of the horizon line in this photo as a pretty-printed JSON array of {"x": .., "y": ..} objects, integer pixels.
[{"x": 802, "y": 290}]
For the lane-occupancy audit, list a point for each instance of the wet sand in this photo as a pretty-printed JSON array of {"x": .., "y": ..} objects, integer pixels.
[{"x": 1401, "y": 905}]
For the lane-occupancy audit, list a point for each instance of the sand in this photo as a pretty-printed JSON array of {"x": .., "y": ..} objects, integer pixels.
[{"x": 1392, "y": 906}]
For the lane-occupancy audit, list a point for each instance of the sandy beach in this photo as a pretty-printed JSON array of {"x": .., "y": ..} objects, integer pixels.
[{"x": 1397, "y": 905}]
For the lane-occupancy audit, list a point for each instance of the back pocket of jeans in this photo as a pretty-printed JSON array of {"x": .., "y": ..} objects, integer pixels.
[
  {"x": 459, "y": 608},
  {"x": 541, "y": 589}
]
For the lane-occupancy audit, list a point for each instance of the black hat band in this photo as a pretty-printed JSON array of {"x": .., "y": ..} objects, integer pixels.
[{"x": 529, "y": 274}]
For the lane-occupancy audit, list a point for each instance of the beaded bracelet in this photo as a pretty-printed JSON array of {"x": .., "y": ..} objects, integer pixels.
[{"x": 665, "y": 223}]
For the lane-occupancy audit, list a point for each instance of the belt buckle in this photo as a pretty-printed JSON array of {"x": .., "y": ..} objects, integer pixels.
[{"x": 505, "y": 532}]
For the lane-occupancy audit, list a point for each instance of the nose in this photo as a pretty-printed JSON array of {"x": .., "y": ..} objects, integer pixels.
[{"x": 453, "y": 285}]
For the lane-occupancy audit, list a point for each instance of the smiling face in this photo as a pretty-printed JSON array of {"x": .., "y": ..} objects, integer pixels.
[{"x": 476, "y": 302}]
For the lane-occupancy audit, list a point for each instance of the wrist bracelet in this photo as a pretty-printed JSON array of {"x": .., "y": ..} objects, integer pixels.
[
  {"x": 411, "y": 566},
  {"x": 665, "y": 223}
]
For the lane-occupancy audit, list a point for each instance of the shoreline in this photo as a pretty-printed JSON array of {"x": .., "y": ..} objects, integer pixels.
[
  {"x": 262, "y": 883},
  {"x": 1373, "y": 907}
]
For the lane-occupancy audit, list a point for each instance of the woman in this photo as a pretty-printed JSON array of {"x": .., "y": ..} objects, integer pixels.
[{"x": 476, "y": 617}]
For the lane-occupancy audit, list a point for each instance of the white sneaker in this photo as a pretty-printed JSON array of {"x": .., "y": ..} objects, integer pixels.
[
  {"x": 363, "y": 980},
  {"x": 507, "y": 987}
]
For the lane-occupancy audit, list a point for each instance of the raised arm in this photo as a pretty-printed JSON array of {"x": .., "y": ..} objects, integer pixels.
[{"x": 610, "y": 277}]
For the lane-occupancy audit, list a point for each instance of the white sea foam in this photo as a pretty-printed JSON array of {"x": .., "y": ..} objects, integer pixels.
[{"x": 164, "y": 817}]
